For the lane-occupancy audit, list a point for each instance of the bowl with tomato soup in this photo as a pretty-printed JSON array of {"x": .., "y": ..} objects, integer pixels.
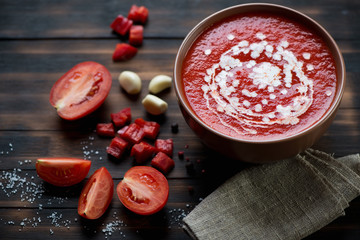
[{"x": 259, "y": 82}]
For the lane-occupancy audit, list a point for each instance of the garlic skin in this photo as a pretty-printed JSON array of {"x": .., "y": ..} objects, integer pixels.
[
  {"x": 130, "y": 82},
  {"x": 154, "y": 105},
  {"x": 159, "y": 83}
]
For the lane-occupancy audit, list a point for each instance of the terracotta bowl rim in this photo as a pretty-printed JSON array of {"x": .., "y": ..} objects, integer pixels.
[{"x": 203, "y": 24}]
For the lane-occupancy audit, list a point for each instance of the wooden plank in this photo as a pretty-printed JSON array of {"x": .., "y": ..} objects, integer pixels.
[
  {"x": 66, "y": 224},
  {"x": 80, "y": 19},
  {"x": 24, "y": 189},
  {"x": 84, "y": 143},
  {"x": 18, "y": 147}
]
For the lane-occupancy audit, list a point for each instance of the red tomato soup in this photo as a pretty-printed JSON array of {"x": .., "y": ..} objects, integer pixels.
[{"x": 259, "y": 76}]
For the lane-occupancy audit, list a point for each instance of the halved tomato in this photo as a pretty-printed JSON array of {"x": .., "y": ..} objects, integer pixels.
[
  {"x": 81, "y": 90},
  {"x": 143, "y": 190},
  {"x": 62, "y": 172},
  {"x": 96, "y": 195}
]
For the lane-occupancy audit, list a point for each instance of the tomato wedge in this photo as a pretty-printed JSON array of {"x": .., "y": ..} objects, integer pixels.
[
  {"x": 96, "y": 195},
  {"x": 62, "y": 172},
  {"x": 143, "y": 190},
  {"x": 81, "y": 90}
]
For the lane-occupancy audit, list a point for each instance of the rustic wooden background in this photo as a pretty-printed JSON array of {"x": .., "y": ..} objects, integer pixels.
[{"x": 40, "y": 40}]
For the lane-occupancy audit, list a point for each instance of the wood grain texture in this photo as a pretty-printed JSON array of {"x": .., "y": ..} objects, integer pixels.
[
  {"x": 168, "y": 19},
  {"x": 41, "y": 40}
]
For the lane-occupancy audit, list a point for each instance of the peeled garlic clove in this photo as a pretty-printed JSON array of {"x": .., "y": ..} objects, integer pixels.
[
  {"x": 154, "y": 105},
  {"x": 130, "y": 82},
  {"x": 159, "y": 83}
]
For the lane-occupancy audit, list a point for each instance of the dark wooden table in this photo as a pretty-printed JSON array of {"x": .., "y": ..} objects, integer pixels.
[{"x": 40, "y": 40}]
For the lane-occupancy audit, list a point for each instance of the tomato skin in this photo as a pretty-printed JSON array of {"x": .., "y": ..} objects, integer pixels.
[
  {"x": 143, "y": 190},
  {"x": 62, "y": 172},
  {"x": 96, "y": 195},
  {"x": 81, "y": 90}
]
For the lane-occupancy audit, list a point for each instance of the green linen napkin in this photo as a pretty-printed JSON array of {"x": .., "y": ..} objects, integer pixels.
[{"x": 288, "y": 199}]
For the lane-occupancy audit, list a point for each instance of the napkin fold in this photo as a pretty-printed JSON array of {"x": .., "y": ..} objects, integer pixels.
[{"x": 288, "y": 199}]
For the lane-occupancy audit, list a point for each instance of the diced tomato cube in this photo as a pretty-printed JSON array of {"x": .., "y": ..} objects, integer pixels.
[
  {"x": 165, "y": 146},
  {"x": 121, "y": 25},
  {"x": 134, "y": 133},
  {"x": 123, "y": 52},
  {"x": 138, "y": 14},
  {"x": 122, "y": 117},
  {"x": 117, "y": 147},
  {"x": 142, "y": 151},
  {"x": 122, "y": 131},
  {"x": 127, "y": 111},
  {"x": 105, "y": 129},
  {"x": 151, "y": 129},
  {"x": 163, "y": 162},
  {"x": 119, "y": 119},
  {"x": 136, "y": 35}
]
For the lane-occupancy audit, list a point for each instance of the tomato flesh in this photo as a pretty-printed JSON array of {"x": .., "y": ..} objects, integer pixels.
[
  {"x": 96, "y": 195},
  {"x": 151, "y": 129},
  {"x": 165, "y": 146},
  {"x": 62, "y": 172},
  {"x": 81, "y": 90},
  {"x": 163, "y": 162},
  {"x": 143, "y": 190}
]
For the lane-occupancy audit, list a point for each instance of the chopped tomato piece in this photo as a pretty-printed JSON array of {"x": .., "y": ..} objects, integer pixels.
[
  {"x": 62, "y": 172},
  {"x": 127, "y": 111},
  {"x": 122, "y": 131},
  {"x": 143, "y": 190},
  {"x": 105, "y": 129},
  {"x": 96, "y": 195},
  {"x": 138, "y": 14},
  {"x": 136, "y": 35},
  {"x": 134, "y": 133},
  {"x": 151, "y": 129},
  {"x": 81, "y": 90},
  {"x": 117, "y": 147},
  {"x": 123, "y": 52},
  {"x": 142, "y": 151},
  {"x": 119, "y": 119},
  {"x": 165, "y": 146},
  {"x": 122, "y": 117},
  {"x": 163, "y": 162},
  {"x": 121, "y": 25}
]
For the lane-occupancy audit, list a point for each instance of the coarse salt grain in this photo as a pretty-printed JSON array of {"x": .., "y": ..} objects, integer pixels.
[{"x": 113, "y": 226}]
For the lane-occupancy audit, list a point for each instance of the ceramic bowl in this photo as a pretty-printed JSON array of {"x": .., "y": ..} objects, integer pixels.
[{"x": 258, "y": 151}]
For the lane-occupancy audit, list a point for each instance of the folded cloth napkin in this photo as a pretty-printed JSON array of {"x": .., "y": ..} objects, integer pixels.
[{"x": 288, "y": 199}]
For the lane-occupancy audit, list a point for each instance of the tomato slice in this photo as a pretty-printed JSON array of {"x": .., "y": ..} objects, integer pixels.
[
  {"x": 143, "y": 190},
  {"x": 81, "y": 90},
  {"x": 96, "y": 195},
  {"x": 62, "y": 172}
]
